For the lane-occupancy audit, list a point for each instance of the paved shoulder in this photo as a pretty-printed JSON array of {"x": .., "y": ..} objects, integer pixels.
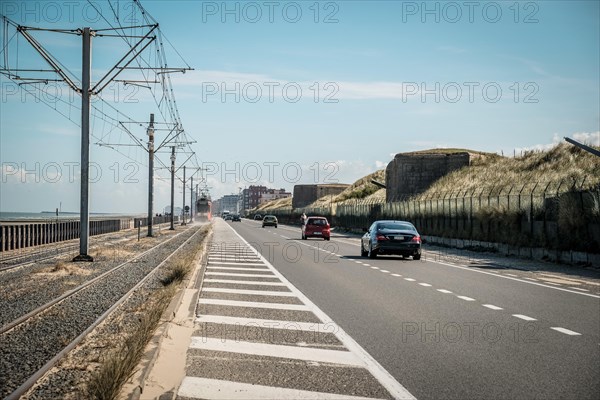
[{"x": 258, "y": 337}]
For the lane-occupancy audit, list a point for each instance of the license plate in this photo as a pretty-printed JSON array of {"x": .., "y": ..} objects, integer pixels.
[
  {"x": 398, "y": 237},
  {"x": 318, "y": 233}
]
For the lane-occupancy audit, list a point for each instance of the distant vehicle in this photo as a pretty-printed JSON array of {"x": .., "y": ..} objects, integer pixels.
[
  {"x": 236, "y": 217},
  {"x": 228, "y": 217},
  {"x": 224, "y": 214},
  {"x": 258, "y": 217},
  {"x": 316, "y": 227},
  {"x": 269, "y": 220},
  {"x": 391, "y": 237}
]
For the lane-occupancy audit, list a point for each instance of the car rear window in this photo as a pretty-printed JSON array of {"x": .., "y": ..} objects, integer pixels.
[
  {"x": 396, "y": 227},
  {"x": 317, "y": 221}
]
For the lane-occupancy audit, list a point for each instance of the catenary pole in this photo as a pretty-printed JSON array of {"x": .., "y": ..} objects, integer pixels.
[
  {"x": 150, "y": 175},
  {"x": 84, "y": 220},
  {"x": 183, "y": 209},
  {"x": 192, "y": 198},
  {"x": 172, "y": 188}
]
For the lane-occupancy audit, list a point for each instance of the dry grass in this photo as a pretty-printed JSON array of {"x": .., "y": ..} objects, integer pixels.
[
  {"x": 362, "y": 188},
  {"x": 275, "y": 204},
  {"x": 555, "y": 170},
  {"x": 119, "y": 365}
]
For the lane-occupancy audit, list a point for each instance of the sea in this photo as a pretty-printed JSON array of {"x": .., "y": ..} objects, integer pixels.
[{"x": 51, "y": 215}]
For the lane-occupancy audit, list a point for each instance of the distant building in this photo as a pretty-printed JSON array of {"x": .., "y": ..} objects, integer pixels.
[
  {"x": 274, "y": 194},
  {"x": 251, "y": 196},
  {"x": 230, "y": 202},
  {"x": 306, "y": 194}
]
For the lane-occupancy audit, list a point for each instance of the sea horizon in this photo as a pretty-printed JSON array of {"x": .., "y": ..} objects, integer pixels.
[{"x": 51, "y": 215}]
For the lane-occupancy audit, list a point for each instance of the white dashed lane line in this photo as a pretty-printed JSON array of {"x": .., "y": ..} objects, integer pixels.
[
  {"x": 409, "y": 279},
  {"x": 566, "y": 331},
  {"x": 524, "y": 317},
  {"x": 424, "y": 284},
  {"x": 492, "y": 307},
  {"x": 444, "y": 291},
  {"x": 465, "y": 298},
  {"x": 396, "y": 275}
]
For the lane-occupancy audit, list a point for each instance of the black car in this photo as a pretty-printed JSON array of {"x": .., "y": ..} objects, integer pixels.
[
  {"x": 236, "y": 217},
  {"x": 391, "y": 237}
]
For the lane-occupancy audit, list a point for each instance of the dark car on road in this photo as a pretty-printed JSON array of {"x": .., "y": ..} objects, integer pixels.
[
  {"x": 269, "y": 220},
  {"x": 236, "y": 217},
  {"x": 391, "y": 237},
  {"x": 316, "y": 227},
  {"x": 258, "y": 217}
]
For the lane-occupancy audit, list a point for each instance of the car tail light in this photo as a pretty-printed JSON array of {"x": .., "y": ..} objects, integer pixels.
[
  {"x": 416, "y": 239},
  {"x": 381, "y": 238}
]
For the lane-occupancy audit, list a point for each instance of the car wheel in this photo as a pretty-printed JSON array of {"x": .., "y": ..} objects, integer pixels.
[
  {"x": 327, "y": 238},
  {"x": 417, "y": 257},
  {"x": 363, "y": 253},
  {"x": 371, "y": 253},
  {"x": 263, "y": 226},
  {"x": 275, "y": 226}
]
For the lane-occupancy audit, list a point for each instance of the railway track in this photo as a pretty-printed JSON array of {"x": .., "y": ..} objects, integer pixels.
[{"x": 32, "y": 343}]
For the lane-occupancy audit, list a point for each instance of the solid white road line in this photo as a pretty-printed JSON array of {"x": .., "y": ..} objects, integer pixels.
[
  {"x": 444, "y": 291},
  {"x": 566, "y": 331},
  {"x": 465, "y": 298},
  {"x": 254, "y": 304},
  {"x": 492, "y": 307},
  {"x": 257, "y": 283},
  {"x": 270, "y": 323},
  {"x": 395, "y": 388},
  {"x": 250, "y": 292},
  {"x": 238, "y": 269},
  {"x": 524, "y": 317},
  {"x": 231, "y": 263},
  {"x": 241, "y": 275},
  {"x": 277, "y": 350},
  {"x": 203, "y": 388}
]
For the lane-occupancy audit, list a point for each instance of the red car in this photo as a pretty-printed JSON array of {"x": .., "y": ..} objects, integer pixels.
[{"x": 316, "y": 227}]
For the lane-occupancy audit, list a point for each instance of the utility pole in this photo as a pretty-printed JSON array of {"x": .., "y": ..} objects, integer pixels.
[
  {"x": 183, "y": 210},
  {"x": 150, "y": 175},
  {"x": 191, "y": 198},
  {"x": 84, "y": 220},
  {"x": 136, "y": 48},
  {"x": 172, "y": 188}
]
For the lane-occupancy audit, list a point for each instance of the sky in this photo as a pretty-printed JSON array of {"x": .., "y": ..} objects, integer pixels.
[{"x": 280, "y": 93}]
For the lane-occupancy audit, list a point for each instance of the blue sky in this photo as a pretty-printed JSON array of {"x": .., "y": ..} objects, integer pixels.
[{"x": 303, "y": 92}]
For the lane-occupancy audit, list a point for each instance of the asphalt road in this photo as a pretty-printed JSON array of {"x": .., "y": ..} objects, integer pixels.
[{"x": 447, "y": 328}]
